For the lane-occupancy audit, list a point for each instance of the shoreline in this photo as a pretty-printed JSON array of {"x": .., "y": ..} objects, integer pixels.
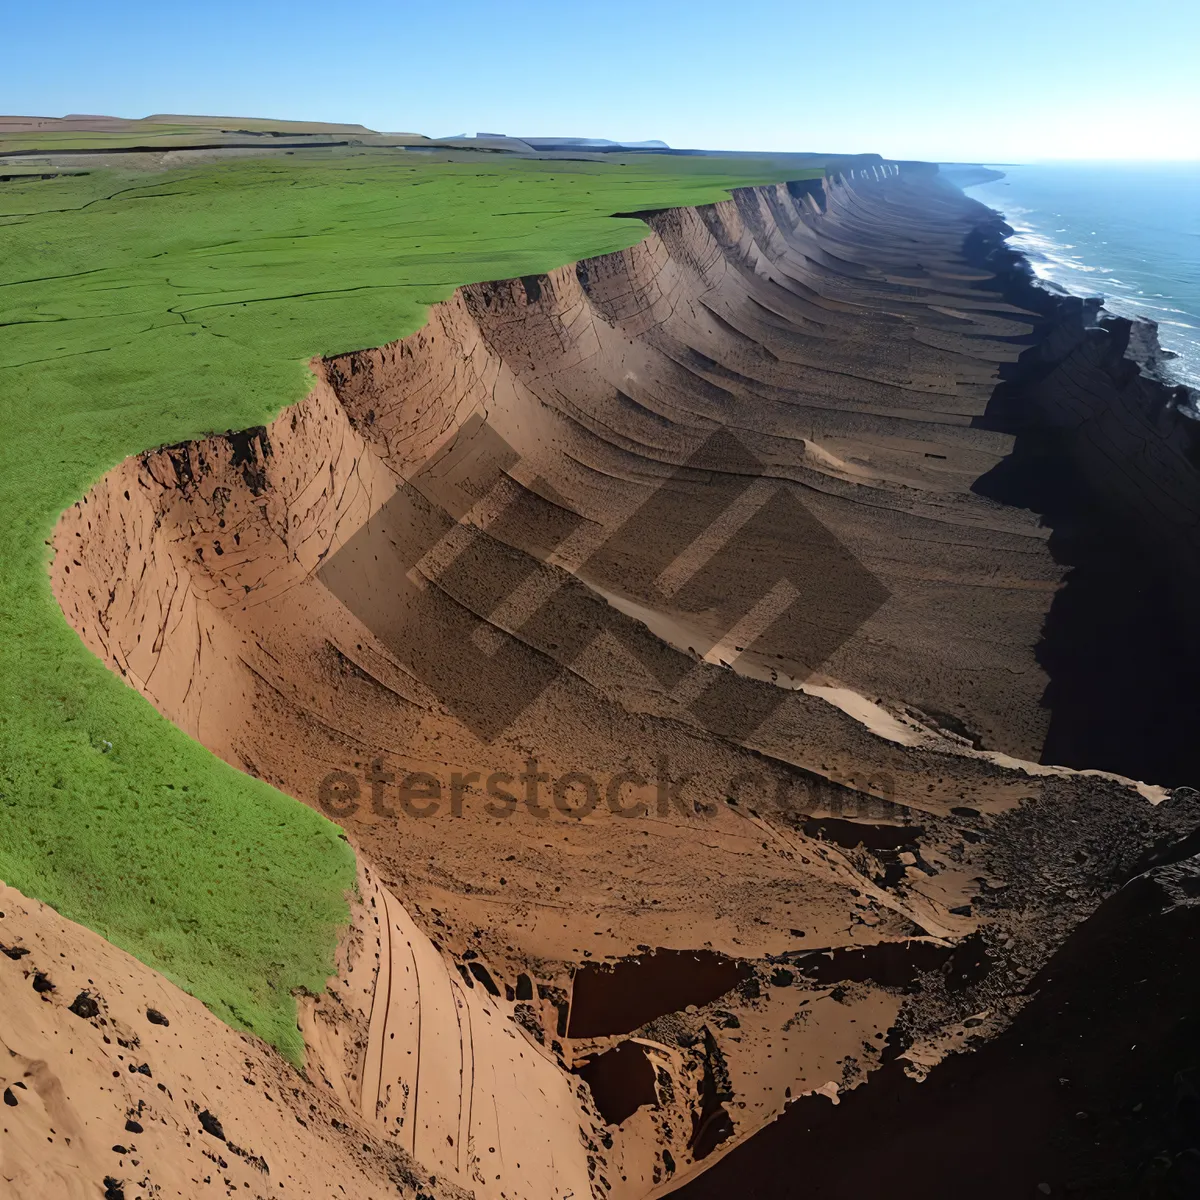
[{"x": 1170, "y": 366}]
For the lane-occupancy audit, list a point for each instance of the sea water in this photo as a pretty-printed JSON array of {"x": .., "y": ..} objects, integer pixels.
[{"x": 1127, "y": 232}]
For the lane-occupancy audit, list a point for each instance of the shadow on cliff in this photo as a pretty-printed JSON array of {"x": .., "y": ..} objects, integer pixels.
[
  {"x": 1119, "y": 643},
  {"x": 1094, "y": 1091}
]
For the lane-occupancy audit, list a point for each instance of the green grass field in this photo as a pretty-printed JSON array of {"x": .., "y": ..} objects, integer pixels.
[{"x": 142, "y": 310}]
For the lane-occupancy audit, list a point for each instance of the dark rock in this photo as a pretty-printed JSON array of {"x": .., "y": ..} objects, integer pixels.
[
  {"x": 84, "y": 1005},
  {"x": 482, "y": 974},
  {"x": 711, "y": 1122},
  {"x": 526, "y": 1016},
  {"x": 211, "y": 1125}
]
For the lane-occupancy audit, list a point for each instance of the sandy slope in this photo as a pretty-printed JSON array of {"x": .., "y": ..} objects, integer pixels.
[
  {"x": 542, "y": 528},
  {"x": 100, "y": 1100},
  {"x": 439, "y": 1067}
]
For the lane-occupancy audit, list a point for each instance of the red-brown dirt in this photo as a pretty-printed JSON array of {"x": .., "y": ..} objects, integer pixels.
[{"x": 693, "y": 530}]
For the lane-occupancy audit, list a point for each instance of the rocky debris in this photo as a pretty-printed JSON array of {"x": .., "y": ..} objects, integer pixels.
[
  {"x": 526, "y": 1016},
  {"x": 711, "y": 1122},
  {"x": 1091, "y": 1089}
]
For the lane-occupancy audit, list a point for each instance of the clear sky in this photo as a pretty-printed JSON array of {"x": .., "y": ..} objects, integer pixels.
[{"x": 933, "y": 79}]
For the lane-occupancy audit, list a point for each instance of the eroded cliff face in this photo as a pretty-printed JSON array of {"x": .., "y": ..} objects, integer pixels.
[
  {"x": 1108, "y": 452},
  {"x": 663, "y": 612}
]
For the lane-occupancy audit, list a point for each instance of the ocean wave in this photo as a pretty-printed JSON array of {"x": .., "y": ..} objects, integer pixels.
[
  {"x": 1181, "y": 312},
  {"x": 1085, "y": 261}
]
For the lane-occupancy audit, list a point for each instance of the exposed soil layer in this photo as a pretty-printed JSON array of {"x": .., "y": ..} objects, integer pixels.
[
  {"x": 682, "y": 598},
  {"x": 444, "y": 1069}
]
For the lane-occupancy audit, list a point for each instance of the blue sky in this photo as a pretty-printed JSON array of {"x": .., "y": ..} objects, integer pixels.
[{"x": 935, "y": 79}]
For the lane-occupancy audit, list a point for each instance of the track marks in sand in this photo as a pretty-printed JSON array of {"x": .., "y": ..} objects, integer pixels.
[{"x": 444, "y": 1064}]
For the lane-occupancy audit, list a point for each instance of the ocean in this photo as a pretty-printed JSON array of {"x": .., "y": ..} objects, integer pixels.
[{"x": 1127, "y": 232}]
